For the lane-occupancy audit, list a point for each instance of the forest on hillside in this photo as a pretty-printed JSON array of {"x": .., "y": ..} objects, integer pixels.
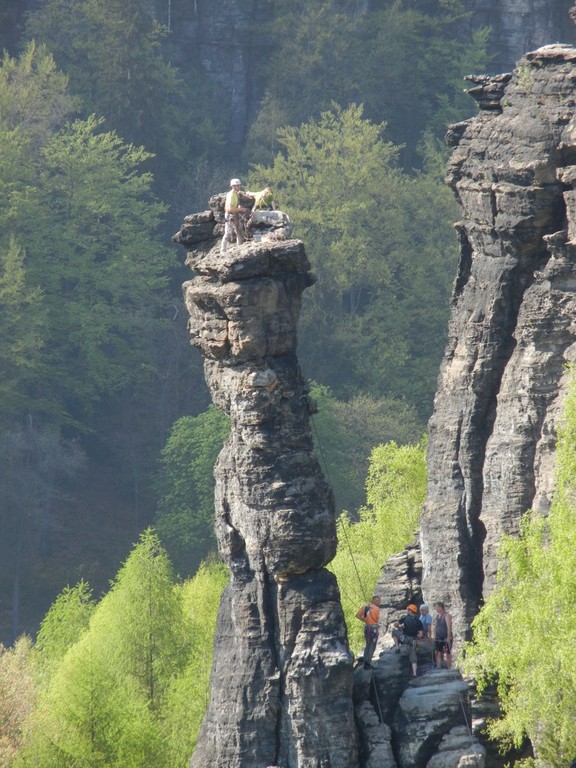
[
  {"x": 111, "y": 131},
  {"x": 109, "y": 136}
]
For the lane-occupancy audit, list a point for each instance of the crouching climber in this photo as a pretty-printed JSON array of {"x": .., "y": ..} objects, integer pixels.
[
  {"x": 232, "y": 213},
  {"x": 370, "y": 615},
  {"x": 407, "y": 631},
  {"x": 264, "y": 200}
]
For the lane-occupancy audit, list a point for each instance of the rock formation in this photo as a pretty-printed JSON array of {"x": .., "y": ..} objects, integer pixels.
[
  {"x": 281, "y": 681},
  {"x": 281, "y": 685},
  {"x": 512, "y": 330},
  {"x": 422, "y": 722}
]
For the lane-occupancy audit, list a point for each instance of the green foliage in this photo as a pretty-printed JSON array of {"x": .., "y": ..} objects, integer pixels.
[
  {"x": 17, "y": 697},
  {"x": 185, "y": 487},
  {"x": 112, "y": 52},
  {"x": 525, "y": 630},
  {"x": 396, "y": 487},
  {"x": 96, "y": 204},
  {"x": 187, "y": 700},
  {"x": 383, "y": 247},
  {"x": 116, "y": 692},
  {"x": 346, "y": 432},
  {"x": 92, "y": 248},
  {"x": 325, "y": 50},
  {"x": 309, "y": 62},
  {"x": 92, "y": 715},
  {"x": 21, "y": 316},
  {"x": 416, "y": 94},
  {"x": 63, "y": 625},
  {"x": 34, "y": 96},
  {"x": 140, "y": 620}
]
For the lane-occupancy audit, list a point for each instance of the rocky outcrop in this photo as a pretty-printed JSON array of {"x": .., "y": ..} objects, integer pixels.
[
  {"x": 281, "y": 684},
  {"x": 422, "y": 722},
  {"x": 512, "y": 330}
]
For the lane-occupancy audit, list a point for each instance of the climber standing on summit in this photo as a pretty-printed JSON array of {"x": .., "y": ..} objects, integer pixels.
[{"x": 232, "y": 212}]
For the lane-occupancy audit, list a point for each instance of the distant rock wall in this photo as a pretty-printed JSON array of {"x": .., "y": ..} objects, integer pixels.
[
  {"x": 518, "y": 26},
  {"x": 512, "y": 329},
  {"x": 225, "y": 39},
  {"x": 281, "y": 684}
]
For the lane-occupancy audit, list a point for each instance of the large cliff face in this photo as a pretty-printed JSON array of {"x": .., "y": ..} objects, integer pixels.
[
  {"x": 512, "y": 329},
  {"x": 281, "y": 685},
  {"x": 227, "y": 43},
  {"x": 518, "y": 26}
]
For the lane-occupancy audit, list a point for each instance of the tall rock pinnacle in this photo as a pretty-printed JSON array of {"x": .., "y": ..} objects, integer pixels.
[
  {"x": 281, "y": 685},
  {"x": 512, "y": 329}
]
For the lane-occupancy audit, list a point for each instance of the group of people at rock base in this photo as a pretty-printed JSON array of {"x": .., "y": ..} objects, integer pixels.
[
  {"x": 417, "y": 625},
  {"x": 233, "y": 212}
]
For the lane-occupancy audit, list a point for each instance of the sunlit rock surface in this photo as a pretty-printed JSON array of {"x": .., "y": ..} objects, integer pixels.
[
  {"x": 512, "y": 329},
  {"x": 281, "y": 684}
]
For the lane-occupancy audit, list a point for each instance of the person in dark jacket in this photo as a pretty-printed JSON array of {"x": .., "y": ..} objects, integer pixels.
[
  {"x": 442, "y": 634},
  {"x": 407, "y": 631}
]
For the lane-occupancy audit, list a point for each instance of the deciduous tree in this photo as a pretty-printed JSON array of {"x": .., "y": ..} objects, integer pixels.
[
  {"x": 17, "y": 698},
  {"x": 375, "y": 236},
  {"x": 185, "y": 487},
  {"x": 396, "y": 487},
  {"x": 525, "y": 630},
  {"x": 345, "y": 434}
]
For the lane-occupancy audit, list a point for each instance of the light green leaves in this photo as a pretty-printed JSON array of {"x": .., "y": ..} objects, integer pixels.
[{"x": 524, "y": 632}]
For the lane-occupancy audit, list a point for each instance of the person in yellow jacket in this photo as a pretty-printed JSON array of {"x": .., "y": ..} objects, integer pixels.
[
  {"x": 264, "y": 200},
  {"x": 232, "y": 213},
  {"x": 370, "y": 615}
]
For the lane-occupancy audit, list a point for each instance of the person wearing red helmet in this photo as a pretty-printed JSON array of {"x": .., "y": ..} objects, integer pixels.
[{"x": 407, "y": 631}]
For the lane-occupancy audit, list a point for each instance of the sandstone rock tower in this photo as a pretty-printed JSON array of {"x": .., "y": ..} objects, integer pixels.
[
  {"x": 281, "y": 686},
  {"x": 512, "y": 329}
]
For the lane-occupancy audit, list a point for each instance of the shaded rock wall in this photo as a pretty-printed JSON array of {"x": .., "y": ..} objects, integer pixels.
[
  {"x": 281, "y": 685},
  {"x": 226, "y": 41},
  {"x": 512, "y": 330},
  {"x": 521, "y": 25}
]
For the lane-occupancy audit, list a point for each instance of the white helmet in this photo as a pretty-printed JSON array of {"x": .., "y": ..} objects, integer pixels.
[{"x": 233, "y": 182}]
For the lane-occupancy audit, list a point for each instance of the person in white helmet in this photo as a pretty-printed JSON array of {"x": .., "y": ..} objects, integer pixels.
[{"x": 232, "y": 211}]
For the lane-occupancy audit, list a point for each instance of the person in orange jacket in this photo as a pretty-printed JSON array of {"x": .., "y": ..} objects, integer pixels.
[{"x": 370, "y": 615}]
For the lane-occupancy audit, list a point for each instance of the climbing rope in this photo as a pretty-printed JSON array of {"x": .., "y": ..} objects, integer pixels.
[
  {"x": 377, "y": 696},
  {"x": 469, "y": 727}
]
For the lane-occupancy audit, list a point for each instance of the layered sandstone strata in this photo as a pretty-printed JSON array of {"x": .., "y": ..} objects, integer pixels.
[
  {"x": 512, "y": 329},
  {"x": 281, "y": 685}
]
